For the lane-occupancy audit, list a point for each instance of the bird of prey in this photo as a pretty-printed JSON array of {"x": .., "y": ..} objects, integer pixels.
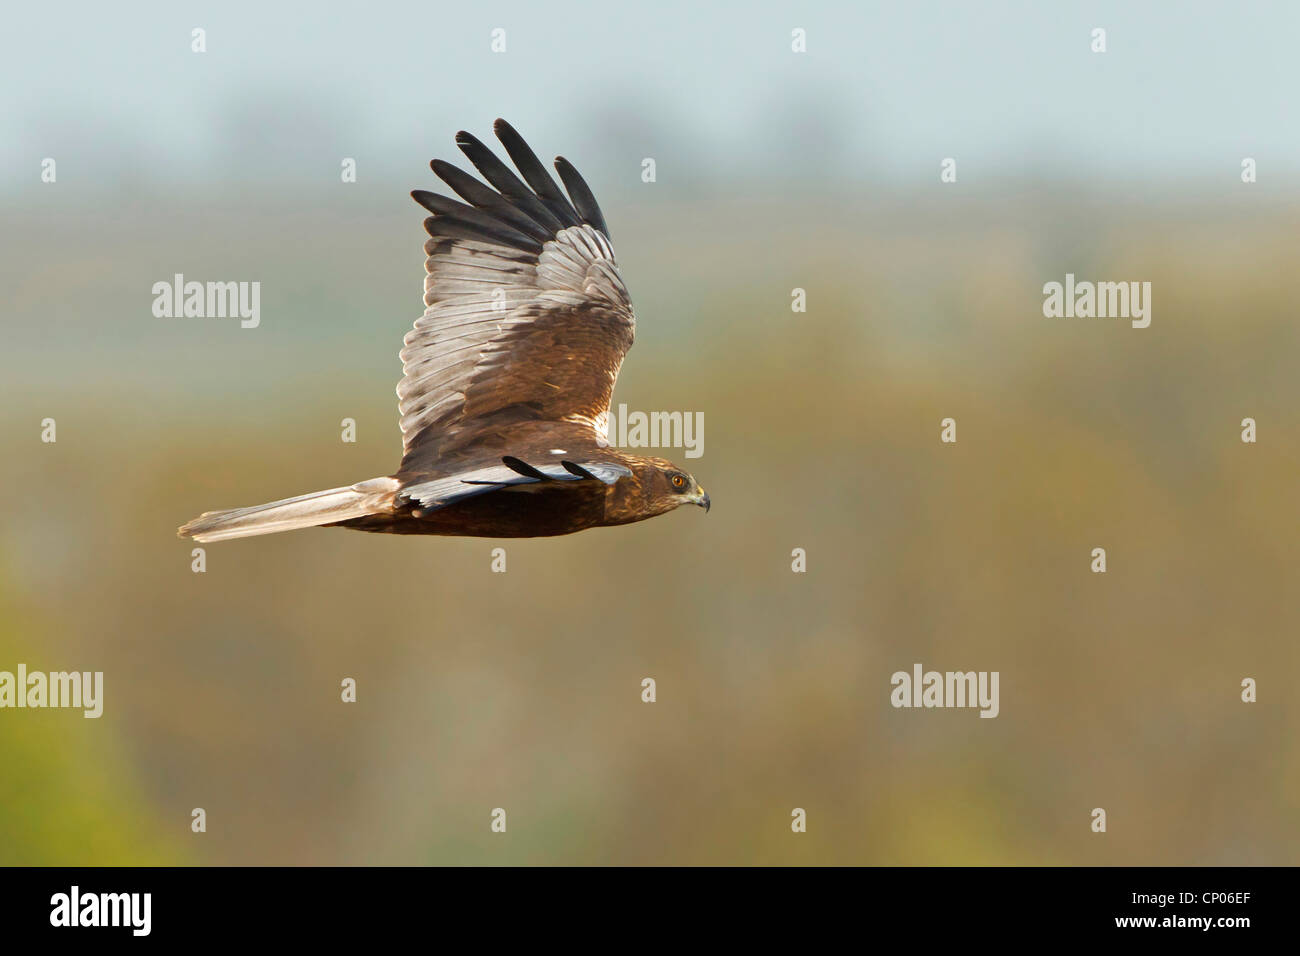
[{"x": 507, "y": 377}]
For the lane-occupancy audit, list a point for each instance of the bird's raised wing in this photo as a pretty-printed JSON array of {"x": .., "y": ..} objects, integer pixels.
[{"x": 526, "y": 318}]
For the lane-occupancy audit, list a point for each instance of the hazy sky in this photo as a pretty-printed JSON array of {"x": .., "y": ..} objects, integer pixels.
[{"x": 1009, "y": 89}]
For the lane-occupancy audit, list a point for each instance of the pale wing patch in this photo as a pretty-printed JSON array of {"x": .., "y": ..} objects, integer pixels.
[{"x": 441, "y": 492}]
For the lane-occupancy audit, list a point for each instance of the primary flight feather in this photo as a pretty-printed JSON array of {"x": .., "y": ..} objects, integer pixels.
[{"x": 507, "y": 377}]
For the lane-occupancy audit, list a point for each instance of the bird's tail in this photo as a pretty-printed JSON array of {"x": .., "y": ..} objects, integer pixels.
[{"x": 306, "y": 511}]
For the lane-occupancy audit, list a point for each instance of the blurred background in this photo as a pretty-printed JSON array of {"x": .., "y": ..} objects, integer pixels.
[{"x": 775, "y": 170}]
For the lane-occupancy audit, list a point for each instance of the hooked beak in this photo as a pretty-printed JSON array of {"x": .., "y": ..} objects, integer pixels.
[{"x": 703, "y": 500}]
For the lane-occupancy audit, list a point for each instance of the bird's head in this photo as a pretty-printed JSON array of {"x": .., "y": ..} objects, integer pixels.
[{"x": 675, "y": 486}]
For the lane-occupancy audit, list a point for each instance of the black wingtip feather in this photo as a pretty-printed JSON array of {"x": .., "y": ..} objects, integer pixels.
[
  {"x": 534, "y": 173},
  {"x": 525, "y": 469},
  {"x": 581, "y": 195},
  {"x": 511, "y": 186},
  {"x": 486, "y": 199},
  {"x": 521, "y": 214},
  {"x": 573, "y": 468},
  {"x": 495, "y": 233},
  {"x": 425, "y": 198}
]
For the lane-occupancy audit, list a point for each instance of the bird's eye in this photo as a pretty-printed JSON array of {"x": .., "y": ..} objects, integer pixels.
[{"x": 678, "y": 481}]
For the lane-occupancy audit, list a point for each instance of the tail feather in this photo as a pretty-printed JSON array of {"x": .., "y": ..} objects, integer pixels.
[{"x": 305, "y": 511}]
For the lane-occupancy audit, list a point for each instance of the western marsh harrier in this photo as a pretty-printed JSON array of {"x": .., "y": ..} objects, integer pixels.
[{"x": 507, "y": 377}]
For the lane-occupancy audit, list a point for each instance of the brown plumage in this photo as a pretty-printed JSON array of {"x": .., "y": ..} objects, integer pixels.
[{"x": 507, "y": 377}]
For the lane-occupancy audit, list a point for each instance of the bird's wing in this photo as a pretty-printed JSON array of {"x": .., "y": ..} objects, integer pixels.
[
  {"x": 526, "y": 318},
  {"x": 442, "y": 491}
]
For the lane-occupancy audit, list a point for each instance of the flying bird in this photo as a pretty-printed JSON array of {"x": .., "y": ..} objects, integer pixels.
[{"x": 507, "y": 377}]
